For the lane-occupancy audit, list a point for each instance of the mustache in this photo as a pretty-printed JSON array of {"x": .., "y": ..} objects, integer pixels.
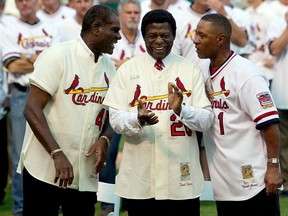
[{"x": 132, "y": 20}]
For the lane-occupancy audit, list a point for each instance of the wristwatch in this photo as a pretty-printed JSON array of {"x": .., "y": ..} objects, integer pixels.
[{"x": 273, "y": 160}]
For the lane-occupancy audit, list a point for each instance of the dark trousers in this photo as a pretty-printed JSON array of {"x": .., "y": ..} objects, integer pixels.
[
  {"x": 148, "y": 207},
  {"x": 44, "y": 199},
  {"x": 4, "y": 164},
  {"x": 283, "y": 126},
  {"x": 261, "y": 205}
]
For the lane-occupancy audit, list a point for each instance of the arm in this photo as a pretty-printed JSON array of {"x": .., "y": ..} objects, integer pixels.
[
  {"x": 129, "y": 123},
  {"x": 33, "y": 112},
  {"x": 23, "y": 65},
  {"x": 273, "y": 178},
  {"x": 239, "y": 35},
  {"x": 278, "y": 45}
]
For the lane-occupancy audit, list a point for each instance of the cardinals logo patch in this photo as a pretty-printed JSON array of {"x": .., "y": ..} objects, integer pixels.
[{"x": 265, "y": 100}]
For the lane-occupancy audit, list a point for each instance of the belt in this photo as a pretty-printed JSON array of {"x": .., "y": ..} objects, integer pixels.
[{"x": 20, "y": 87}]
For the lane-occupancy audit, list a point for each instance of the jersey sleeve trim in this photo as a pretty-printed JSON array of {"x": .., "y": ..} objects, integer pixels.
[
  {"x": 265, "y": 115},
  {"x": 272, "y": 121}
]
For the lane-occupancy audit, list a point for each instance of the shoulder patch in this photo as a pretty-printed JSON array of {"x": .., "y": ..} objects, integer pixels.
[{"x": 265, "y": 99}]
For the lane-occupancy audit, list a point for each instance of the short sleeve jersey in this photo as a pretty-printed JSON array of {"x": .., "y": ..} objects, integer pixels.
[
  {"x": 75, "y": 113},
  {"x": 236, "y": 149},
  {"x": 22, "y": 38}
]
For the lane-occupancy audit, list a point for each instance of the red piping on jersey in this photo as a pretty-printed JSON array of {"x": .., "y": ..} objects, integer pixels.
[
  {"x": 226, "y": 62},
  {"x": 265, "y": 115}
]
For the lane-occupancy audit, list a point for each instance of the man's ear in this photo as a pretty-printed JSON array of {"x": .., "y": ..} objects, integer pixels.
[
  {"x": 220, "y": 39},
  {"x": 95, "y": 27}
]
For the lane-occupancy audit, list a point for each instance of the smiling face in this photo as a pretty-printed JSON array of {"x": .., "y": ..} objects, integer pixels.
[
  {"x": 108, "y": 35},
  {"x": 158, "y": 39}
]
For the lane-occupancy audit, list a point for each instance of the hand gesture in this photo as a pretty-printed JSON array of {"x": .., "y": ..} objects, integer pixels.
[
  {"x": 145, "y": 117},
  {"x": 175, "y": 98}
]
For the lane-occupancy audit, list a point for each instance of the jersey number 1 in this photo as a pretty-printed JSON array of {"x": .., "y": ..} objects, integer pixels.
[{"x": 221, "y": 125}]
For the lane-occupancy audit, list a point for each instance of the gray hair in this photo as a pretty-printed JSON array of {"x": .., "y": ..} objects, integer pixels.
[{"x": 123, "y": 2}]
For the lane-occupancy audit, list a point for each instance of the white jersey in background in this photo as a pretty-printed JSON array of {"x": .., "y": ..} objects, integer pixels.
[
  {"x": 126, "y": 50},
  {"x": 175, "y": 8},
  {"x": 27, "y": 39},
  {"x": 238, "y": 160},
  {"x": 62, "y": 13},
  {"x": 277, "y": 8},
  {"x": 262, "y": 17},
  {"x": 187, "y": 23},
  {"x": 279, "y": 87},
  {"x": 183, "y": 43},
  {"x": 67, "y": 29}
]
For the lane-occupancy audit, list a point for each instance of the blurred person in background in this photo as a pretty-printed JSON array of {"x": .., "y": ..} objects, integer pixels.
[
  {"x": 260, "y": 12},
  {"x": 70, "y": 27},
  {"x": 278, "y": 46},
  {"x": 53, "y": 11},
  {"x": 22, "y": 41}
]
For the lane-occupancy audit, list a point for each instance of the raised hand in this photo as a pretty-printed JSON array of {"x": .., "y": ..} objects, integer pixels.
[{"x": 175, "y": 98}]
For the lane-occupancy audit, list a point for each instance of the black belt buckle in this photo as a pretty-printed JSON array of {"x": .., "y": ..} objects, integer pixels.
[{"x": 20, "y": 87}]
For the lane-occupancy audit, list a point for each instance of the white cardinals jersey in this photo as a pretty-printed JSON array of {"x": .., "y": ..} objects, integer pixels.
[
  {"x": 23, "y": 38},
  {"x": 75, "y": 114},
  {"x": 161, "y": 161},
  {"x": 279, "y": 88},
  {"x": 62, "y": 13},
  {"x": 235, "y": 147},
  {"x": 186, "y": 26},
  {"x": 183, "y": 44},
  {"x": 176, "y": 8},
  {"x": 277, "y": 8},
  {"x": 124, "y": 50},
  {"x": 67, "y": 29},
  {"x": 262, "y": 17}
]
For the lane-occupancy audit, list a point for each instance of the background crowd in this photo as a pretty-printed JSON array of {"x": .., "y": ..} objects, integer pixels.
[{"x": 28, "y": 27}]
